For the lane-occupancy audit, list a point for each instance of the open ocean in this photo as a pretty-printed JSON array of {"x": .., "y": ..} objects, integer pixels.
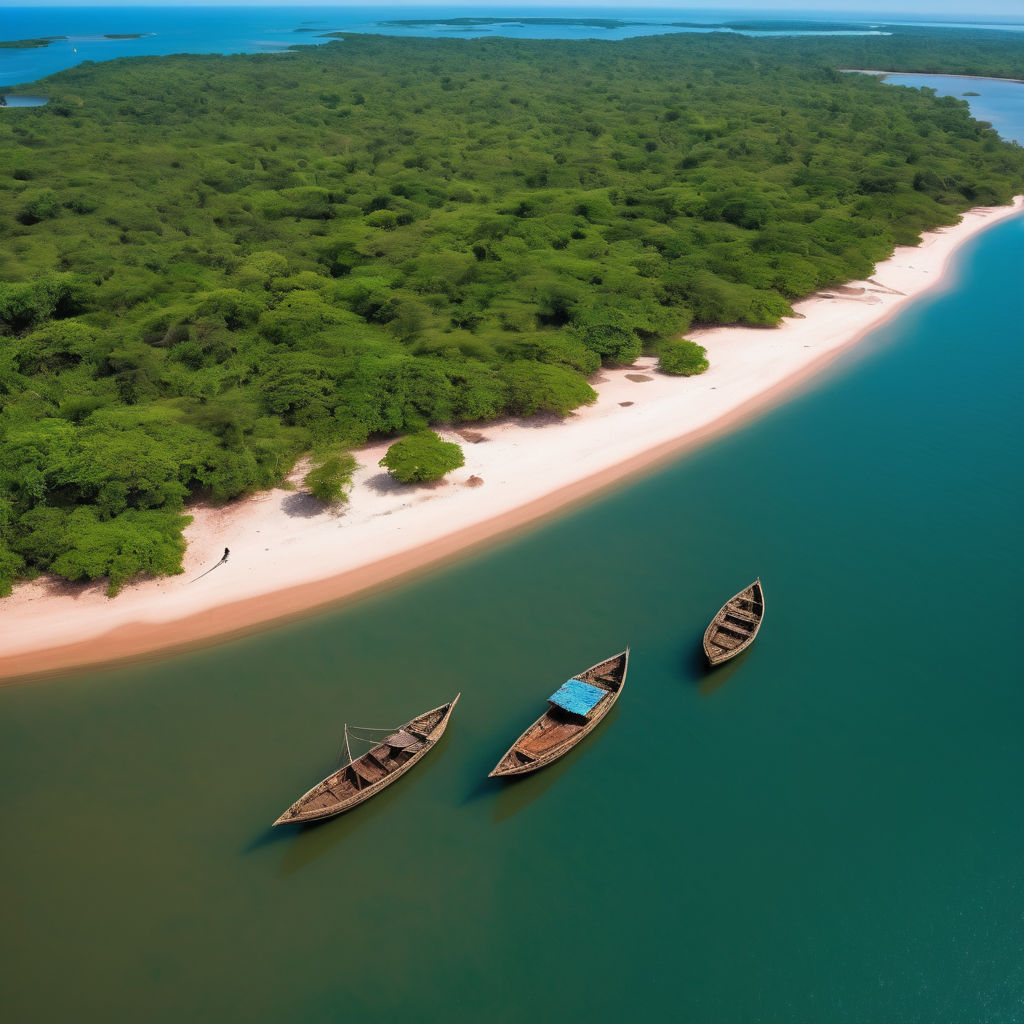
[{"x": 829, "y": 829}]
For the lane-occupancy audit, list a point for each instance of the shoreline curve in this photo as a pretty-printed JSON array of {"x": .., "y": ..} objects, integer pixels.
[
  {"x": 291, "y": 556},
  {"x": 929, "y": 74}
]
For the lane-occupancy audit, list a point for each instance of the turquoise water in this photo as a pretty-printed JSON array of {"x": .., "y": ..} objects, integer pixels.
[
  {"x": 25, "y": 101},
  {"x": 828, "y": 829},
  {"x": 213, "y": 29},
  {"x": 997, "y": 101}
]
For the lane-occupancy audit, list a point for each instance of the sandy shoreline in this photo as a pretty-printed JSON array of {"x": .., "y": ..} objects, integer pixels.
[
  {"x": 928, "y": 74},
  {"x": 289, "y": 555}
]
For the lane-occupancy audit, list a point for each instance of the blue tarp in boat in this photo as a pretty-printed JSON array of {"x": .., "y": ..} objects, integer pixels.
[{"x": 577, "y": 696}]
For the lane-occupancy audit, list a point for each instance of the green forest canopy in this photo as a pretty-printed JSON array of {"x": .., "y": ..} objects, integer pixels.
[{"x": 213, "y": 264}]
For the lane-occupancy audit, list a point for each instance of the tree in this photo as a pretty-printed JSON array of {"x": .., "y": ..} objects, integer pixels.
[
  {"x": 39, "y": 206},
  {"x": 536, "y": 387},
  {"x": 610, "y": 333},
  {"x": 81, "y": 546},
  {"x": 48, "y": 296},
  {"x": 10, "y": 566},
  {"x": 331, "y": 479},
  {"x": 683, "y": 358},
  {"x": 422, "y": 457}
]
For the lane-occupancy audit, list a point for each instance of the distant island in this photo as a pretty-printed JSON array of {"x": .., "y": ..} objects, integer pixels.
[
  {"x": 608, "y": 23},
  {"x": 28, "y": 44},
  {"x": 616, "y": 23},
  {"x": 830, "y": 27},
  {"x": 122, "y": 35}
]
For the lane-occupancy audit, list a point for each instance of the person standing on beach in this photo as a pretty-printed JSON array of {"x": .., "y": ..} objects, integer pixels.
[{"x": 223, "y": 559}]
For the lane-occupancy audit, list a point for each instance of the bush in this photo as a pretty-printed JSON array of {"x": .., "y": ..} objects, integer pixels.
[
  {"x": 536, "y": 387},
  {"x": 85, "y": 547},
  {"x": 331, "y": 479},
  {"x": 683, "y": 358},
  {"x": 39, "y": 206},
  {"x": 422, "y": 457},
  {"x": 610, "y": 334},
  {"x": 50, "y": 296},
  {"x": 11, "y": 565}
]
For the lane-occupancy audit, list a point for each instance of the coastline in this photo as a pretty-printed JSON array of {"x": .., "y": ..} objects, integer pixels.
[
  {"x": 289, "y": 555},
  {"x": 929, "y": 74}
]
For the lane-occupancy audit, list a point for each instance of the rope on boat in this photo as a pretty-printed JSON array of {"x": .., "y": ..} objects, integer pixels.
[
  {"x": 365, "y": 739},
  {"x": 351, "y": 733},
  {"x": 348, "y": 749}
]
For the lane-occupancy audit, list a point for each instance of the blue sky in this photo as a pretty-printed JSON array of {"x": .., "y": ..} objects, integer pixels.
[{"x": 963, "y": 10}]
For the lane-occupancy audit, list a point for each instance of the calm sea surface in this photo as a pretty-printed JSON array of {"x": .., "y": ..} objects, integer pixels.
[
  {"x": 999, "y": 102},
  {"x": 828, "y": 830}
]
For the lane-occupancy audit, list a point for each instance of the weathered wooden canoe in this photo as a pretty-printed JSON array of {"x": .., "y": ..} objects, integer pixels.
[
  {"x": 574, "y": 710},
  {"x": 734, "y": 627},
  {"x": 366, "y": 776}
]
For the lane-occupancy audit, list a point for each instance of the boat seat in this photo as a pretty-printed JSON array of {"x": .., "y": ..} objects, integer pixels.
[
  {"x": 742, "y": 616},
  {"x": 369, "y": 771},
  {"x": 730, "y": 629},
  {"x": 727, "y": 641},
  {"x": 384, "y": 757},
  {"x": 734, "y": 629}
]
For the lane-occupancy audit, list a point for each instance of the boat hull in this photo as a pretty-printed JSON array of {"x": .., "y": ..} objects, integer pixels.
[
  {"x": 735, "y": 626},
  {"x": 530, "y": 751},
  {"x": 307, "y": 809}
]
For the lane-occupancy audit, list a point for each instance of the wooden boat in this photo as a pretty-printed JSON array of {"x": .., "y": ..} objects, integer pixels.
[
  {"x": 734, "y": 627},
  {"x": 574, "y": 710},
  {"x": 363, "y": 777}
]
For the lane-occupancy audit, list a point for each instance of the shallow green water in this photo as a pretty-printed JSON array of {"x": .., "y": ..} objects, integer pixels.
[{"x": 830, "y": 829}]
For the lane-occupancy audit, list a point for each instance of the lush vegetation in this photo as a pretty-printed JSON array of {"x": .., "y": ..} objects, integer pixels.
[
  {"x": 476, "y": 22},
  {"x": 28, "y": 44},
  {"x": 211, "y": 265},
  {"x": 682, "y": 358},
  {"x": 422, "y": 457},
  {"x": 330, "y": 479},
  {"x": 952, "y": 51}
]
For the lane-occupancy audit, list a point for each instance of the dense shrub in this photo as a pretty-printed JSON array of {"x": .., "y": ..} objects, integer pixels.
[
  {"x": 329, "y": 481},
  {"x": 39, "y": 206},
  {"x": 683, "y": 358},
  {"x": 422, "y": 457}
]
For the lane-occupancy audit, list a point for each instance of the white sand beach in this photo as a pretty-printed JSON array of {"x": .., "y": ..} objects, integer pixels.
[{"x": 290, "y": 554}]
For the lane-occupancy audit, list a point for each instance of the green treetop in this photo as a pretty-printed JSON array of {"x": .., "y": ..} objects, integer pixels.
[{"x": 422, "y": 457}]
